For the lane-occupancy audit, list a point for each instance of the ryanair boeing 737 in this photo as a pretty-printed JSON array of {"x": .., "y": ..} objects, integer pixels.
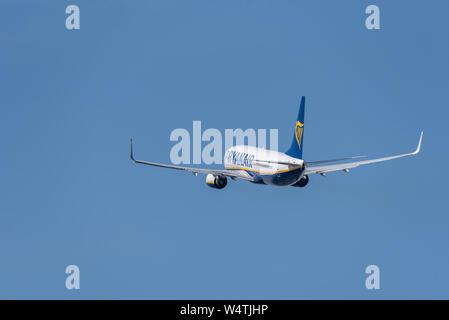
[{"x": 262, "y": 166}]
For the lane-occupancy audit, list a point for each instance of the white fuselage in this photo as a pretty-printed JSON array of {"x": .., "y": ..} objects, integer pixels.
[{"x": 265, "y": 166}]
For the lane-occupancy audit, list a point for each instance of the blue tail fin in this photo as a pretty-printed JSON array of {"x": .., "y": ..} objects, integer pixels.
[{"x": 296, "y": 147}]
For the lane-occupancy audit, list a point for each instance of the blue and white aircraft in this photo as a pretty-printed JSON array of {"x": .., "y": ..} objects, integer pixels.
[{"x": 263, "y": 166}]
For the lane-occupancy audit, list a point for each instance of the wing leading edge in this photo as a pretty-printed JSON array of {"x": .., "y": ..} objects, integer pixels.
[
  {"x": 233, "y": 174},
  {"x": 346, "y": 166}
]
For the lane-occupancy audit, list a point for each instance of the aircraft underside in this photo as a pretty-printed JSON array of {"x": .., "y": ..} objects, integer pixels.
[{"x": 293, "y": 177}]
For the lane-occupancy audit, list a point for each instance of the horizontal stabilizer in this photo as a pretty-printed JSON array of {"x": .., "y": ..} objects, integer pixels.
[
  {"x": 293, "y": 162},
  {"x": 333, "y": 160}
]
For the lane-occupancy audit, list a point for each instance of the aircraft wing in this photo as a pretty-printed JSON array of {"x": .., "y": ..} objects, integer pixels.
[
  {"x": 229, "y": 173},
  {"x": 346, "y": 166}
]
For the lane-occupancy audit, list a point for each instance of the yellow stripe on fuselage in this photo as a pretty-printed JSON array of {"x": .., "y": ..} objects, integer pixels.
[{"x": 261, "y": 172}]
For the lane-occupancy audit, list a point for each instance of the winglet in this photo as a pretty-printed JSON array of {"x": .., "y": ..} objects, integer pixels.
[
  {"x": 131, "y": 149},
  {"x": 418, "y": 148}
]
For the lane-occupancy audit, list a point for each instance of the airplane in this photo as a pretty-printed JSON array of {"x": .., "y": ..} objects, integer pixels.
[{"x": 269, "y": 167}]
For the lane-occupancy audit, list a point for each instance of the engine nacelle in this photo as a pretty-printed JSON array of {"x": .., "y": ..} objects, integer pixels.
[
  {"x": 301, "y": 182},
  {"x": 217, "y": 182}
]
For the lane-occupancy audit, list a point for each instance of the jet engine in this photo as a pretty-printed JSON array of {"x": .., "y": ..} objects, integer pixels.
[
  {"x": 218, "y": 182},
  {"x": 301, "y": 182}
]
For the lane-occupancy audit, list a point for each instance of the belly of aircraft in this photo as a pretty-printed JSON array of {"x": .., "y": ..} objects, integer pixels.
[{"x": 282, "y": 178}]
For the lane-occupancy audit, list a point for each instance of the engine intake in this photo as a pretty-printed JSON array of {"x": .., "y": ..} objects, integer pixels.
[
  {"x": 217, "y": 182},
  {"x": 301, "y": 182}
]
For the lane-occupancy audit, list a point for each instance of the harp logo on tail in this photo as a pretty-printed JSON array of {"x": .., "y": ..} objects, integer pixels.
[{"x": 298, "y": 133}]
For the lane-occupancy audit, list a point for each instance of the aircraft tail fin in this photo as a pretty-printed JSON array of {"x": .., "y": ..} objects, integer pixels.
[{"x": 296, "y": 147}]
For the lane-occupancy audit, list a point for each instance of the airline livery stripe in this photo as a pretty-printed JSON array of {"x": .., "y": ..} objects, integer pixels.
[{"x": 261, "y": 172}]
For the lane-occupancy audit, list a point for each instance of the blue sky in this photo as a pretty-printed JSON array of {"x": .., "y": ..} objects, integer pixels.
[{"x": 71, "y": 100}]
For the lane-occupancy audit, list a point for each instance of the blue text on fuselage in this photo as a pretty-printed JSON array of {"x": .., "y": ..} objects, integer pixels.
[{"x": 241, "y": 159}]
